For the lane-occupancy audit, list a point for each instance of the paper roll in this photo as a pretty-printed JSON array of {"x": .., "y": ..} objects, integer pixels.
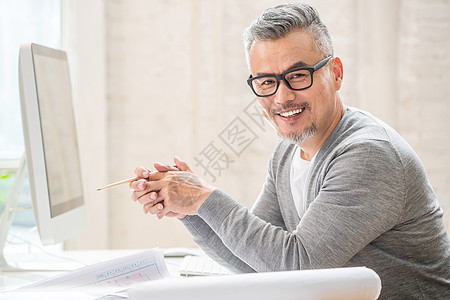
[{"x": 336, "y": 284}]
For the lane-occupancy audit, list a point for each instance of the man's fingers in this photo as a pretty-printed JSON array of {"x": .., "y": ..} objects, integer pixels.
[
  {"x": 157, "y": 208},
  {"x": 142, "y": 172},
  {"x": 155, "y": 176},
  {"x": 154, "y": 203},
  {"x": 183, "y": 166},
  {"x": 144, "y": 188},
  {"x": 162, "y": 213},
  {"x": 150, "y": 198},
  {"x": 164, "y": 168},
  {"x": 138, "y": 185},
  {"x": 137, "y": 194},
  {"x": 153, "y": 209}
]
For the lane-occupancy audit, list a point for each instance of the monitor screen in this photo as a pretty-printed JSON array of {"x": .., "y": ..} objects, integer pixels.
[
  {"x": 51, "y": 145},
  {"x": 58, "y": 131}
]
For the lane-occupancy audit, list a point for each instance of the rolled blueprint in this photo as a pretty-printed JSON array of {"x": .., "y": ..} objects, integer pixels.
[{"x": 336, "y": 284}]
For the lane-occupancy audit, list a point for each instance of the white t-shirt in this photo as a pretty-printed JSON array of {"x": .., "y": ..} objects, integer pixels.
[{"x": 299, "y": 172}]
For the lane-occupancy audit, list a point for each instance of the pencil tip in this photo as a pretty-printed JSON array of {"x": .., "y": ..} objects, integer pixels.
[{"x": 99, "y": 189}]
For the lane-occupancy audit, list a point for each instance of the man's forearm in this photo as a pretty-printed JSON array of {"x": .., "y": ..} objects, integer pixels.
[{"x": 210, "y": 242}]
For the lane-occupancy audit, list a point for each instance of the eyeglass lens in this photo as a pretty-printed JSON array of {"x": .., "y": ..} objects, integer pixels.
[{"x": 297, "y": 79}]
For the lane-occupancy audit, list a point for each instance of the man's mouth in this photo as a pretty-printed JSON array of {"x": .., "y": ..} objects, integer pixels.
[
  {"x": 293, "y": 111},
  {"x": 290, "y": 113}
]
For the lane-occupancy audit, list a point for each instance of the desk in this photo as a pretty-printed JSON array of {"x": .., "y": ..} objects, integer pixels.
[
  {"x": 343, "y": 284},
  {"x": 78, "y": 259}
]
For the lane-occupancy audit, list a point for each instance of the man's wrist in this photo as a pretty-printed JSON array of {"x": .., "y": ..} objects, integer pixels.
[{"x": 208, "y": 191}]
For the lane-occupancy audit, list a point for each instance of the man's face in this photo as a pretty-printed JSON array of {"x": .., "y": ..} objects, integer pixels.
[{"x": 297, "y": 115}]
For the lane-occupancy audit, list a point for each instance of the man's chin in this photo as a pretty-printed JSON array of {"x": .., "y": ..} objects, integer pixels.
[{"x": 296, "y": 138}]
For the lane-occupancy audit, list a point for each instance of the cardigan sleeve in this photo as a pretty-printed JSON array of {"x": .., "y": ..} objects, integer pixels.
[
  {"x": 361, "y": 197},
  {"x": 266, "y": 207}
]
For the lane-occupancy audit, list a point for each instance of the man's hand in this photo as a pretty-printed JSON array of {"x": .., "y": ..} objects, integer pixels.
[
  {"x": 139, "y": 188},
  {"x": 172, "y": 191}
]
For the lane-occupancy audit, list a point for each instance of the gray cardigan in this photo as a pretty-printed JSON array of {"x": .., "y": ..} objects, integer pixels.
[{"x": 369, "y": 204}]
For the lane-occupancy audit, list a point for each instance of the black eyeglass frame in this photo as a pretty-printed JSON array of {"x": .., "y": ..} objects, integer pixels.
[{"x": 282, "y": 77}]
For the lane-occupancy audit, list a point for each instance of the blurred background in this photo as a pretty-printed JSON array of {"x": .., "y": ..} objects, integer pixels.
[{"x": 158, "y": 78}]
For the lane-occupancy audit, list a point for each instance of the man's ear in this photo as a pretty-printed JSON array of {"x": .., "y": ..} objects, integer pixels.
[{"x": 338, "y": 71}]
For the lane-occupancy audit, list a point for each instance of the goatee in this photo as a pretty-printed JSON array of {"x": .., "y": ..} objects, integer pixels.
[{"x": 299, "y": 137}]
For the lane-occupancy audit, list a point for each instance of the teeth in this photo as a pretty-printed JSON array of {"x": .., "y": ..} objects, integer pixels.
[{"x": 291, "y": 113}]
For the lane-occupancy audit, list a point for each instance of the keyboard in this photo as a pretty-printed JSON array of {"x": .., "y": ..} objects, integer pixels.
[{"x": 201, "y": 266}]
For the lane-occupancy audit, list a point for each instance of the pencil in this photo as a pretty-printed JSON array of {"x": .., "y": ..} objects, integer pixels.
[{"x": 118, "y": 183}]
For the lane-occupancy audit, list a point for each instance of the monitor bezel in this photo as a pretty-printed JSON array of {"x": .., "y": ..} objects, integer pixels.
[{"x": 56, "y": 229}]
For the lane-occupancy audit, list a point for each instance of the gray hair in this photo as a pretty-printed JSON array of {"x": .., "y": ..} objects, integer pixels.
[{"x": 277, "y": 22}]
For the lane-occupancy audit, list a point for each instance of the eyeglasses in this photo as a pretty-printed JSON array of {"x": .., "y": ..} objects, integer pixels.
[{"x": 297, "y": 80}]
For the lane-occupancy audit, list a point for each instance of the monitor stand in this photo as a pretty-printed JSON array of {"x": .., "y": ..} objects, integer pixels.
[
  {"x": 8, "y": 213},
  {"x": 6, "y": 219}
]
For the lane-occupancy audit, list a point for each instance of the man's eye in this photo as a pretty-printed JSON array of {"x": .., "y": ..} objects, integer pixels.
[
  {"x": 268, "y": 82},
  {"x": 265, "y": 82},
  {"x": 296, "y": 76}
]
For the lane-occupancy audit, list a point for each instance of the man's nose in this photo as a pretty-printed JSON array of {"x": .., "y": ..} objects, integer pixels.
[{"x": 283, "y": 94}]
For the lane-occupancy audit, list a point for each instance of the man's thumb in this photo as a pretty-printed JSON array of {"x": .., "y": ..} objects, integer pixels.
[
  {"x": 183, "y": 166},
  {"x": 164, "y": 168}
]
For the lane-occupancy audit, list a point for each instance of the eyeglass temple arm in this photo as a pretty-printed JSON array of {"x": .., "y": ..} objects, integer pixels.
[{"x": 322, "y": 63}]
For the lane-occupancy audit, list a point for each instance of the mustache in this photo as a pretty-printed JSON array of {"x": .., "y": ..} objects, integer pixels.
[{"x": 288, "y": 106}]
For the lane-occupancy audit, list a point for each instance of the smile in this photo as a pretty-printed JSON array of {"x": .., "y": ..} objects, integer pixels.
[{"x": 291, "y": 113}]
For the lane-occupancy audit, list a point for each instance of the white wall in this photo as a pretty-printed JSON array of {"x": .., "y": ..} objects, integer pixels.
[
  {"x": 84, "y": 40},
  {"x": 175, "y": 80}
]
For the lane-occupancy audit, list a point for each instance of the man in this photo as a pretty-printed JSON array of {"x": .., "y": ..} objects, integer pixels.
[{"x": 343, "y": 189}]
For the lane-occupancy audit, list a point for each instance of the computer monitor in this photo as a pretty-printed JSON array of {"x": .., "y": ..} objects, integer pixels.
[{"x": 51, "y": 145}]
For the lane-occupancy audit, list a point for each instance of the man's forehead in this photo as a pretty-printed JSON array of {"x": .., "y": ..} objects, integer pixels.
[{"x": 276, "y": 56}]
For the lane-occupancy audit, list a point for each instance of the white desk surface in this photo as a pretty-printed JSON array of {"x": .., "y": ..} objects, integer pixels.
[
  {"x": 37, "y": 260},
  {"x": 340, "y": 283}
]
